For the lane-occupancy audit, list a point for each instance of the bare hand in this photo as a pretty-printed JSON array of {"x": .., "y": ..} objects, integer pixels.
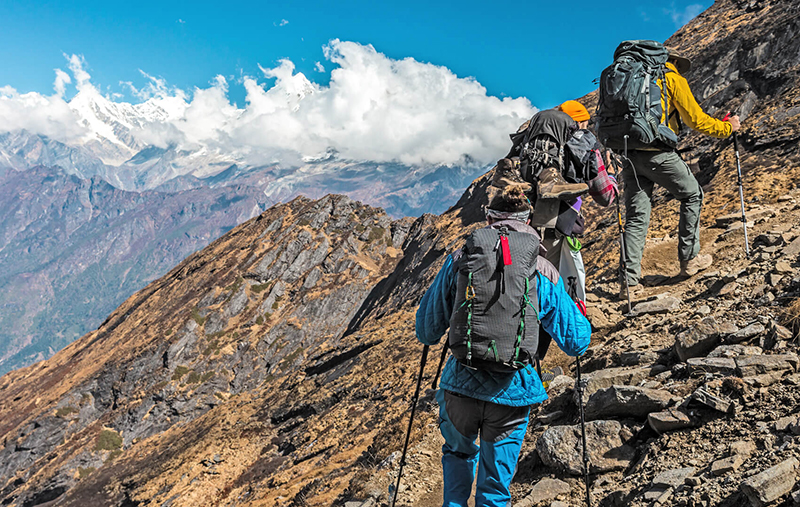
[{"x": 735, "y": 123}]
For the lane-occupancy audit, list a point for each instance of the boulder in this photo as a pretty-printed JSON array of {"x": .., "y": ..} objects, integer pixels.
[
  {"x": 771, "y": 484},
  {"x": 722, "y": 365},
  {"x": 626, "y": 401},
  {"x": 611, "y": 377},
  {"x": 732, "y": 351},
  {"x": 750, "y": 366},
  {"x": 560, "y": 447},
  {"x": 792, "y": 249},
  {"x": 546, "y": 490},
  {"x": 662, "y": 305},
  {"x": 668, "y": 420},
  {"x": 716, "y": 402},
  {"x": 698, "y": 340}
]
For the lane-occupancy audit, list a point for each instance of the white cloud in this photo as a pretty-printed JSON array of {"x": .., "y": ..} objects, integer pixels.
[
  {"x": 180, "y": 21},
  {"x": 374, "y": 109},
  {"x": 681, "y": 17},
  {"x": 61, "y": 82},
  {"x": 282, "y": 22},
  {"x": 76, "y": 64},
  {"x": 46, "y": 115},
  {"x": 319, "y": 67},
  {"x": 155, "y": 87}
]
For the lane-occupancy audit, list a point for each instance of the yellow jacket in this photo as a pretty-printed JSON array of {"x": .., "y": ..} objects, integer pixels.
[{"x": 681, "y": 99}]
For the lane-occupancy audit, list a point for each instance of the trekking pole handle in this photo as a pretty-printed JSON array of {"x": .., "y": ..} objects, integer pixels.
[{"x": 735, "y": 138}]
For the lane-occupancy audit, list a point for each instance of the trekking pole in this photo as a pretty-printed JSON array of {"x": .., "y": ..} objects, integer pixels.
[
  {"x": 583, "y": 433},
  {"x": 445, "y": 348},
  {"x": 582, "y": 309},
  {"x": 410, "y": 422},
  {"x": 622, "y": 229},
  {"x": 741, "y": 186}
]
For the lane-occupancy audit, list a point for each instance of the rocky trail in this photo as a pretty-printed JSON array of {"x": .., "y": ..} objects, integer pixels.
[{"x": 691, "y": 401}]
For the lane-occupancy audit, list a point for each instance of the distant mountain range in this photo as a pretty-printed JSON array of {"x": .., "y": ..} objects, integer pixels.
[{"x": 86, "y": 223}]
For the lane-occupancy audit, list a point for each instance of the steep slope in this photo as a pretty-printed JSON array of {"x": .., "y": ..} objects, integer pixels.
[
  {"x": 72, "y": 250},
  {"x": 191, "y": 394},
  {"x": 265, "y": 304}
]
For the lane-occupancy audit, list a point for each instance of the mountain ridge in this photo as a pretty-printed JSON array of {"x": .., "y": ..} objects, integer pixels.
[{"x": 183, "y": 396}]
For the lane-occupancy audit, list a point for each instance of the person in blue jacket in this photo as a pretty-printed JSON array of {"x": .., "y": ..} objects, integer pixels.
[{"x": 493, "y": 406}]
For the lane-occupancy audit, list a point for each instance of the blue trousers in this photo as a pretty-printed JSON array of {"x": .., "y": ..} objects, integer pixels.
[{"x": 501, "y": 430}]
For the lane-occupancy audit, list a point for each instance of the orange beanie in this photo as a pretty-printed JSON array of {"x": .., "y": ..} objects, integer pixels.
[{"x": 575, "y": 109}]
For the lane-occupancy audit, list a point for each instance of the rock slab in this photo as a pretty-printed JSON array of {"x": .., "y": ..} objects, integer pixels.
[
  {"x": 560, "y": 447},
  {"x": 626, "y": 401},
  {"x": 546, "y": 490},
  {"x": 698, "y": 340},
  {"x": 668, "y": 420},
  {"x": 771, "y": 484},
  {"x": 663, "y": 305},
  {"x": 750, "y": 366}
]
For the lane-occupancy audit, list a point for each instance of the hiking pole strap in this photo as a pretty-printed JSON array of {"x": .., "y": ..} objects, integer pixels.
[
  {"x": 445, "y": 348},
  {"x": 583, "y": 432},
  {"x": 410, "y": 422}
]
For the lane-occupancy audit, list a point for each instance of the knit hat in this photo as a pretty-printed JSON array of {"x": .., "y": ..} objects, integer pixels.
[
  {"x": 575, "y": 109},
  {"x": 509, "y": 202}
]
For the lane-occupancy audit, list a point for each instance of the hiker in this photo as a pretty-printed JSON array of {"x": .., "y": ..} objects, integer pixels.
[
  {"x": 658, "y": 162},
  {"x": 584, "y": 165},
  {"x": 489, "y": 382}
]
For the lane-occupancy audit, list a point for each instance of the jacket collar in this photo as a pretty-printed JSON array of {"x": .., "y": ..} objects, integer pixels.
[{"x": 672, "y": 67}]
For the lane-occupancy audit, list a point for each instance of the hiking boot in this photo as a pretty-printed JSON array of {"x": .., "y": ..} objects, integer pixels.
[
  {"x": 507, "y": 173},
  {"x": 553, "y": 186},
  {"x": 694, "y": 266},
  {"x": 548, "y": 374}
]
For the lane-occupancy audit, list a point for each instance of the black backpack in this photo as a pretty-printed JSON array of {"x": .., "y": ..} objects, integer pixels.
[
  {"x": 495, "y": 320},
  {"x": 542, "y": 143},
  {"x": 629, "y": 101}
]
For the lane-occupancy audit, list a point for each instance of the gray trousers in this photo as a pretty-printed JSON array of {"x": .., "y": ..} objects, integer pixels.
[{"x": 671, "y": 172}]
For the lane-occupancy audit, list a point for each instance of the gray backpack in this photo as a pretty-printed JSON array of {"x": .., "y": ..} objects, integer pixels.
[
  {"x": 629, "y": 100},
  {"x": 495, "y": 320}
]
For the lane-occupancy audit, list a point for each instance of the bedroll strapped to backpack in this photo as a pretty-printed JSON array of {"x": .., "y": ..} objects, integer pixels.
[
  {"x": 495, "y": 322},
  {"x": 541, "y": 144},
  {"x": 630, "y": 100}
]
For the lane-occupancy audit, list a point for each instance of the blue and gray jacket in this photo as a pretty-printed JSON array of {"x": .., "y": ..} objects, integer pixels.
[{"x": 558, "y": 314}]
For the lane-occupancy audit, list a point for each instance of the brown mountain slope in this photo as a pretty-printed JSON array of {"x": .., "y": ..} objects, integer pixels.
[{"x": 275, "y": 366}]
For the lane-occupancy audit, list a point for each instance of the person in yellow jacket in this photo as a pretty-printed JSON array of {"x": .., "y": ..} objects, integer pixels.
[{"x": 653, "y": 166}]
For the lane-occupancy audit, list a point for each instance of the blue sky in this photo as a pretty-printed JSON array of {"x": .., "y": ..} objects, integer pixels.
[{"x": 545, "y": 51}]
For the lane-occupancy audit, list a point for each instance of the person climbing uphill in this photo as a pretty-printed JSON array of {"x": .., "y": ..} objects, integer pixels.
[
  {"x": 652, "y": 158},
  {"x": 490, "y": 293},
  {"x": 584, "y": 165}
]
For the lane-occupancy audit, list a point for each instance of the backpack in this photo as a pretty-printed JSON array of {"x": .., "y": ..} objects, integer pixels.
[
  {"x": 542, "y": 143},
  {"x": 495, "y": 321},
  {"x": 629, "y": 101}
]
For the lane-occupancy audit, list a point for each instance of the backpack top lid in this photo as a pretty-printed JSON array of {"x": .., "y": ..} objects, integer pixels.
[
  {"x": 557, "y": 124},
  {"x": 649, "y": 52}
]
